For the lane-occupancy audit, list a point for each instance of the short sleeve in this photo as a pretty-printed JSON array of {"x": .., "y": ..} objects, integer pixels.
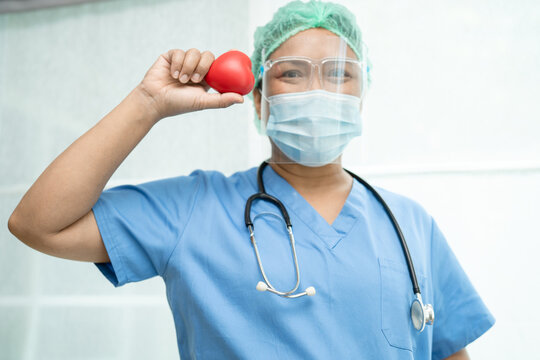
[
  {"x": 460, "y": 314},
  {"x": 140, "y": 225}
]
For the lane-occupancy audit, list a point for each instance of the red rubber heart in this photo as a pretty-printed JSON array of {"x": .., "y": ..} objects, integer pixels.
[{"x": 231, "y": 72}]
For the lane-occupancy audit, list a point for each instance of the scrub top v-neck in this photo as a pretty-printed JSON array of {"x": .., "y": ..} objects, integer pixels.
[
  {"x": 190, "y": 231},
  {"x": 330, "y": 234}
]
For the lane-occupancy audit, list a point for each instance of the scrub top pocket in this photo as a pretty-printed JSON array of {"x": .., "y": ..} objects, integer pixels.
[{"x": 396, "y": 299}]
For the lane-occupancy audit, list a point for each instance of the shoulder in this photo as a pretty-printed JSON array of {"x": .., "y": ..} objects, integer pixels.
[
  {"x": 406, "y": 209},
  {"x": 402, "y": 201},
  {"x": 207, "y": 185},
  {"x": 199, "y": 183},
  {"x": 216, "y": 180},
  {"x": 417, "y": 227}
]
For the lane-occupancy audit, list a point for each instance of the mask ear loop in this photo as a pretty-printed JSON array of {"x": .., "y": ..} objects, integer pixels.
[{"x": 264, "y": 100}]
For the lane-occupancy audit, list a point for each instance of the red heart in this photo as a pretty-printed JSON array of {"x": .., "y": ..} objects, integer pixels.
[{"x": 231, "y": 72}]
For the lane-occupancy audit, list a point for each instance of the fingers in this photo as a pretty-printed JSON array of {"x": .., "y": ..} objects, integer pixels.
[
  {"x": 207, "y": 58},
  {"x": 189, "y": 65},
  {"x": 176, "y": 59},
  {"x": 191, "y": 60}
]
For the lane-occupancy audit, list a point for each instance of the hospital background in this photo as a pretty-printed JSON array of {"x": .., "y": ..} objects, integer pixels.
[{"x": 452, "y": 120}]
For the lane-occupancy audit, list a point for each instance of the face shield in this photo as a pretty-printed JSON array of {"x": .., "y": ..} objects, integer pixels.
[{"x": 311, "y": 100}]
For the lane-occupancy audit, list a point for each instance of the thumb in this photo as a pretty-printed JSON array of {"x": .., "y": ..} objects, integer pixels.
[{"x": 216, "y": 101}]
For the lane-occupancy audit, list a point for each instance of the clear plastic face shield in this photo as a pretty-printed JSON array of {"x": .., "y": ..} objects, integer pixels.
[{"x": 311, "y": 98}]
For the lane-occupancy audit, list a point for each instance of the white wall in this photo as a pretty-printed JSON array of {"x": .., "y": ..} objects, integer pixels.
[
  {"x": 61, "y": 70},
  {"x": 452, "y": 121}
]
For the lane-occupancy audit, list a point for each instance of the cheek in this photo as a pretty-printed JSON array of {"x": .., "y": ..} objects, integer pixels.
[
  {"x": 276, "y": 87},
  {"x": 261, "y": 106}
]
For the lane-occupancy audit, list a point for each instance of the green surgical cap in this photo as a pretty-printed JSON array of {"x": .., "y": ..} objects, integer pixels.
[{"x": 298, "y": 16}]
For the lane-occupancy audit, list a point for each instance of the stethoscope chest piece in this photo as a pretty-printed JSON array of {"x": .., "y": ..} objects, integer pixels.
[{"x": 421, "y": 314}]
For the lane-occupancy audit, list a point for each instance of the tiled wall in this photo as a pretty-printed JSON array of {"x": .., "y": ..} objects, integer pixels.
[
  {"x": 452, "y": 120},
  {"x": 61, "y": 70}
]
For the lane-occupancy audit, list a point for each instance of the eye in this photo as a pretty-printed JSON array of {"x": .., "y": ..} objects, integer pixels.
[
  {"x": 291, "y": 74},
  {"x": 338, "y": 73}
]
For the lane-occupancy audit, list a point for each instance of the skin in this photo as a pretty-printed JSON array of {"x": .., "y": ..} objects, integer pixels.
[
  {"x": 460, "y": 355},
  {"x": 326, "y": 187},
  {"x": 55, "y": 215}
]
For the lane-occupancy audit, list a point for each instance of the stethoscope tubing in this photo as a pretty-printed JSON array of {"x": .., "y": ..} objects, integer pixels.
[
  {"x": 420, "y": 313},
  {"x": 410, "y": 266},
  {"x": 264, "y": 196}
]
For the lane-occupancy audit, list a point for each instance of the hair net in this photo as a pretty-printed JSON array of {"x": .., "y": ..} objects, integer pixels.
[{"x": 297, "y": 16}]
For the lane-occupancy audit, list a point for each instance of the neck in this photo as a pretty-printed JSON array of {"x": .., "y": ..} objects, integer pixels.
[{"x": 310, "y": 179}]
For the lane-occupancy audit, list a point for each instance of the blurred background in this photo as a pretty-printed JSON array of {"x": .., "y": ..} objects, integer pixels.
[{"x": 452, "y": 120}]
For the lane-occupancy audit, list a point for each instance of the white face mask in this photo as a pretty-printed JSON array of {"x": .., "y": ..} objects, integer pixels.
[{"x": 313, "y": 128}]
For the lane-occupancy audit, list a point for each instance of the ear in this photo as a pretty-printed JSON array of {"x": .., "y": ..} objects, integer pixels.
[{"x": 257, "y": 101}]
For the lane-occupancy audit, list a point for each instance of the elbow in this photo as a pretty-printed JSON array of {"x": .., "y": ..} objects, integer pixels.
[
  {"x": 29, "y": 234},
  {"x": 17, "y": 227},
  {"x": 13, "y": 225}
]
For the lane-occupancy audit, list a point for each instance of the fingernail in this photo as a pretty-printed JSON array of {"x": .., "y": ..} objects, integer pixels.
[
  {"x": 176, "y": 74},
  {"x": 195, "y": 77},
  {"x": 184, "y": 78}
]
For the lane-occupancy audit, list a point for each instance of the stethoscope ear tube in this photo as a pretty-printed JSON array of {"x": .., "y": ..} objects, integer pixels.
[
  {"x": 264, "y": 196},
  {"x": 266, "y": 285}
]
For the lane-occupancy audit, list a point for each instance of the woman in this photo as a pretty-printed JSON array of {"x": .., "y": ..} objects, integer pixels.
[{"x": 191, "y": 230}]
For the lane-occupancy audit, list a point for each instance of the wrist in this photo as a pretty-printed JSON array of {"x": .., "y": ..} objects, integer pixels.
[{"x": 146, "y": 103}]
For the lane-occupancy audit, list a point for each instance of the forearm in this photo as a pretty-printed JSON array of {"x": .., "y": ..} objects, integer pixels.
[{"x": 72, "y": 183}]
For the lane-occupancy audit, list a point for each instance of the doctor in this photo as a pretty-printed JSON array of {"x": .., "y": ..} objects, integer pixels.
[{"x": 191, "y": 230}]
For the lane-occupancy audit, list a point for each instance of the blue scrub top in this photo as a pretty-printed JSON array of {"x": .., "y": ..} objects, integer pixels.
[{"x": 190, "y": 230}]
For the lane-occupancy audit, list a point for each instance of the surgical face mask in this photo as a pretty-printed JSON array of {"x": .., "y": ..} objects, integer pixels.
[{"x": 313, "y": 128}]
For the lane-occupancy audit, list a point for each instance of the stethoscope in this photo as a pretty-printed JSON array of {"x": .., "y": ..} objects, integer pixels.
[{"x": 420, "y": 314}]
